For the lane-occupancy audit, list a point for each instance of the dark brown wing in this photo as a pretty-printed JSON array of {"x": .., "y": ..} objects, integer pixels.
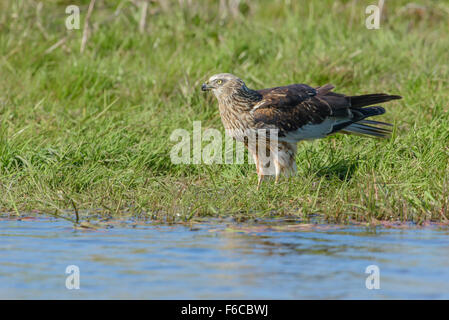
[
  {"x": 286, "y": 96},
  {"x": 292, "y": 107}
]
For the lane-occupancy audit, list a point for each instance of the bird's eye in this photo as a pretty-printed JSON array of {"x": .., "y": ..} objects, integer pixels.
[{"x": 219, "y": 81}]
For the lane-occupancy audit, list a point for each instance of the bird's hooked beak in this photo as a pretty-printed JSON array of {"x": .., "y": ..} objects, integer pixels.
[{"x": 206, "y": 87}]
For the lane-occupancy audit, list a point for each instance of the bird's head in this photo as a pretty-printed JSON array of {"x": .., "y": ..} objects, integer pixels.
[{"x": 223, "y": 84}]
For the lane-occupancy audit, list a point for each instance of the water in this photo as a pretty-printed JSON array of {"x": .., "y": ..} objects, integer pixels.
[{"x": 221, "y": 261}]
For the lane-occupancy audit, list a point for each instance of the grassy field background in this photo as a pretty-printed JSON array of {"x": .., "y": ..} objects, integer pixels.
[{"x": 91, "y": 130}]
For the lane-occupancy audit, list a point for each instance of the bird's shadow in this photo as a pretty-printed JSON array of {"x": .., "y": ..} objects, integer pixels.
[{"x": 343, "y": 169}]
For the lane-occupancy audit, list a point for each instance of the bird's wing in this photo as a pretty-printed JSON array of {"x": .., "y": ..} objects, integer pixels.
[
  {"x": 286, "y": 96},
  {"x": 300, "y": 112}
]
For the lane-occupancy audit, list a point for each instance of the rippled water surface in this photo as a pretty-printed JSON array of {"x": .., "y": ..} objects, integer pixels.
[{"x": 221, "y": 261}]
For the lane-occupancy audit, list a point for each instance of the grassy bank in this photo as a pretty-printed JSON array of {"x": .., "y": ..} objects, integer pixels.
[{"x": 91, "y": 130}]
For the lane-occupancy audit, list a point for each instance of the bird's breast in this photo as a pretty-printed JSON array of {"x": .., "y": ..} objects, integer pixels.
[{"x": 237, "y": 123}]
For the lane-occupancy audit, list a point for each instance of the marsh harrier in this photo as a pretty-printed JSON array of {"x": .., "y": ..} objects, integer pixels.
[{"x": 295, "y": 112}]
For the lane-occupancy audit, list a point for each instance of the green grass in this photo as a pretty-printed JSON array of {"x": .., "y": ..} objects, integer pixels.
[{"x": 92, "y": 129}]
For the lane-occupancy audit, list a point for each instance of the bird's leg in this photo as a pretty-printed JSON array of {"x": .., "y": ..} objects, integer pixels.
[
  {"x": 260, "y": 174},
  {"x": 260, "y": 178},
  {"x": 258, "y": 169},
  {"x": 277, "y": 167}
]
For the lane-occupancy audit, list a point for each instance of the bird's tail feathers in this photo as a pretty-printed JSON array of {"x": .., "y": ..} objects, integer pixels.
[
  {"x": 378, "y": 123},
  {"x": 366, "y": 128},
  {"x": 361, "y": 111},
  {"x": 370, "y": 99},
  {"x": 370, "y": 111}
]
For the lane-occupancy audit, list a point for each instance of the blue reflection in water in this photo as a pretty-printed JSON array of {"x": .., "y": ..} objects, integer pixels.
[{"x": 173, "y": 262}]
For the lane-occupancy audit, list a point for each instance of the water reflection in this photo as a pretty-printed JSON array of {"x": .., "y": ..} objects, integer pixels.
[{"x": 220, "y": 261}]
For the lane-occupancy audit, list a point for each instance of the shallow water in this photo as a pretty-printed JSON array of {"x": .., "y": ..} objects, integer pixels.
[{"x": 221, "y": 261}]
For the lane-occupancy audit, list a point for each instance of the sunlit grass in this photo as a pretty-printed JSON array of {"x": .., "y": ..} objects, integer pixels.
[{"x": 93, "y": 129}]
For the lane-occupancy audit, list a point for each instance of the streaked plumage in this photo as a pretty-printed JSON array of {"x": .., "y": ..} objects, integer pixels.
[{"x": 297, "y": 111}]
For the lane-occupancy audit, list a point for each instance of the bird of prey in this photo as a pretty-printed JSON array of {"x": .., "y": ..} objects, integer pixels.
[{"x": 296, "y": 112}]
